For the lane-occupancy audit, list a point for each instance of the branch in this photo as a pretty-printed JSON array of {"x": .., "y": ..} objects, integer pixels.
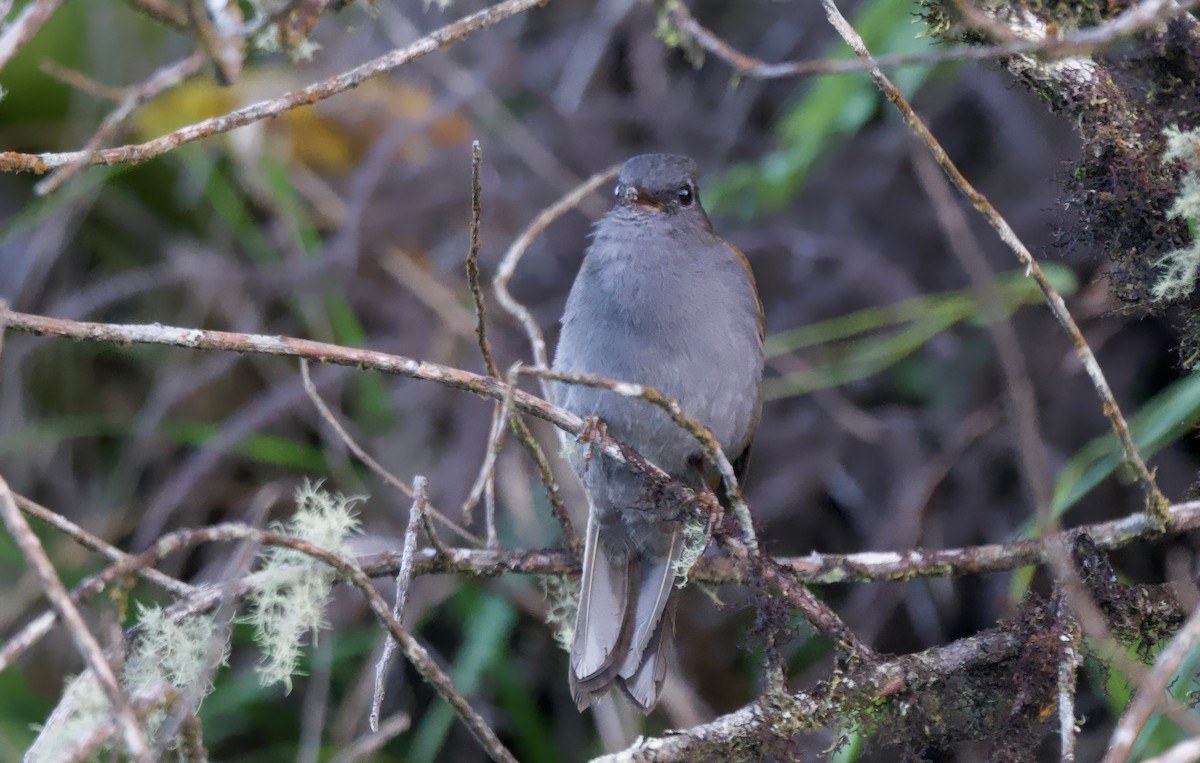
[
  {"x": 454, "y": 378},
  {"x": 1082, "y": 42},
  {"x": 164, "y": 79},
  {"x": 89, "y": 649},
  {"x": 349, "y": 571},
  {"x": 1156, "y": 502},
  {"x": 817, "y": 569},
  {"x": 13, "y": 161},
  {"x": 24, "y": 27},
  {"x": 508, "y": 265},
  {"x": 739, "y": 731}
]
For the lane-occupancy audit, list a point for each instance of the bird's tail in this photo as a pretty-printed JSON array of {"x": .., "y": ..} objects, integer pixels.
[{"x": 626, "y": 619}]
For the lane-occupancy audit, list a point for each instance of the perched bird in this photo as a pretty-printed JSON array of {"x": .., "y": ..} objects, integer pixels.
[{"x": 660, "y": 300}]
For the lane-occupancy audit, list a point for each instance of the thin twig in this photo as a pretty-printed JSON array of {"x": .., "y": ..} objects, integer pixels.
[
  {"x": 88, "y": 540},
  {"x": 403, "y": 578},
  {"x": 163, "y": 11},
  {"x": 1082, "y": 42},
  {"x": 1070, "y": 658},
  {"x": 485, "y": 349},
  {"x": 1028, "y": 447},
  {"x": 538, "y": 342},
  {"x": 89, "y": 649},
  {"x": 421, "y": 504},
  {"x": 508, "y": 266},
  {"x": 1151, "y": 691},
  {"x": 162, "y": 80},
  {"x": 24, "y": 27},
  {"x": 381, "y": 734},
  {"x": 1156, "y": 502},
  {"x": 13, "y": 161},
  {"x": 484, "y": 483},
  {"x": 1187, "y": 751},
  {"x": 82, "y": 82},
  {"x": 311, "y": 390}
]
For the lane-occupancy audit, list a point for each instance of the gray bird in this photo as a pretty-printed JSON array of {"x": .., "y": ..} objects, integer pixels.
[{"x": 660, "y": 300}]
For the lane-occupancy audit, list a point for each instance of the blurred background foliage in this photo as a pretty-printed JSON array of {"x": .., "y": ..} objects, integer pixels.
[{"x": 347, "y": 222}]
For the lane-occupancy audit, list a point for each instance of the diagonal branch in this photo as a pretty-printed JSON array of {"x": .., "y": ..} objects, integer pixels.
[
  {"x": 85, "y": 642},
  {"x": 1156, "y": 502},
  {"x": 1131, "y": 21},
  {"x": 13, "y": 161}
]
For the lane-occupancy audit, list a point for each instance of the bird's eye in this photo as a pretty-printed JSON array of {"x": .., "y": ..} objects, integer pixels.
[{"x": 686, "y": 195}]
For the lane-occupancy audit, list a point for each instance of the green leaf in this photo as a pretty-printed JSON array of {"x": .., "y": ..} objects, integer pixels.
[
  {"x": 912, "y": 324},
  {"x": 830, "y": 110},
  {"x": 1165, "y": 418}
]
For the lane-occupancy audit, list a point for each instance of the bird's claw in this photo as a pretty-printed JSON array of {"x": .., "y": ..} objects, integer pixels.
[{"x": 594, "y": 431}]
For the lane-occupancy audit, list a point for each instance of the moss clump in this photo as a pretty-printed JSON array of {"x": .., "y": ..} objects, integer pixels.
[{"x": 1122, "y": 102}]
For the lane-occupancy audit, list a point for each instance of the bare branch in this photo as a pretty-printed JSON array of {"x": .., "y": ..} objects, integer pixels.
[
  {"x": 485, "y": 349},
  {"x": 508, "y": 265},
  {"x": 403, "y": 578},
  {"x": 13, "y": 161},
  {"x": 817, "y": 569},
  {"x": 162, "y": 80},
  {"x": 311, "y": 390},
  {"x": 1156, "y": 502},
  {"x": 24, "y": 27},
  {"x": 85, "y": 642},
  {"x": 1138, "y": 18}
]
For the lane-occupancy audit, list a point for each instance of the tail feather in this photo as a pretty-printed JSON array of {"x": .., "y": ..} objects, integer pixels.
[
  {"x": 625, "y": 619},
  {"x": 601, "y": 635},
  {"x": 653, "y": 591},
  {"x": 644, "y": 685}
]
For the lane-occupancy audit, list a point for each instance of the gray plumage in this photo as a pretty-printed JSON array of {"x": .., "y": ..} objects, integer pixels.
[{"x": 660, "y": 300}]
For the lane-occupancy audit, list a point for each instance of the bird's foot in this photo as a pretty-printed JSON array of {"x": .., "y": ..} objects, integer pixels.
[{"x": 593, "y": 432}]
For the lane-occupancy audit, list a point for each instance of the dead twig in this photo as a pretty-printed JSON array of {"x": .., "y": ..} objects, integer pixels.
[
  {"x": 1151, "y": 691},
  {"x": 162, "y": 80},
  {"x": 403, "y": 578},
  {"x": 512, "y": 257},
  {"x": 22, "y": 29},
  {"x": 81, "y": 82},
  {"x": 485, "y": 485},
  {"x": 1082, "y": 42},
  {"x": 311, "y": 390},
  {"x": 14, "y": 161}
]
